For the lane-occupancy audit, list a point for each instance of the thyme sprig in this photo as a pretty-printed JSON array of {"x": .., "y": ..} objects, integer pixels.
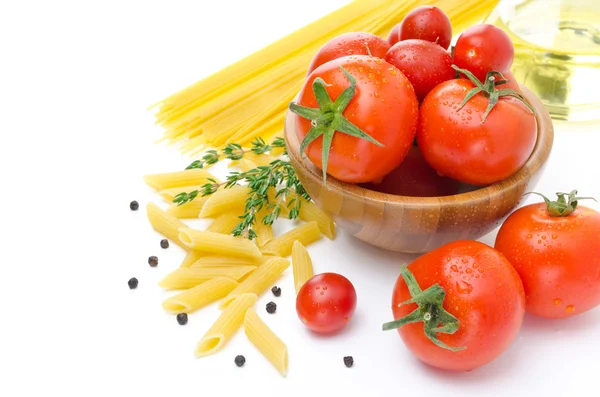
[{"x": 235, "y": 151}]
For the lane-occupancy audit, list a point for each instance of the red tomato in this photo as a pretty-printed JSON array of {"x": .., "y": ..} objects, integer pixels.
[
  {"x": 350, "y": 44},
  {"x": 484, "y": 48},
  {"x": 326, "y": 302},
  {"x": 424, "y": 23},
  {"x": 424, "y": 63},
  {"x": 415, "y": 178},
  {"x": 512, "y": 83},
  {"x": 384, "y": 106},
  {"x": 458, "y": 145},
  {"x": 557, "y": 257},
  {"x": 483, "y": 293}
]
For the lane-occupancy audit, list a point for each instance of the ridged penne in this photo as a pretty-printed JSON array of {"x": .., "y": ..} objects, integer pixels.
[
  {"x": 266, "y": 341},
  {"x": 189, "y": 210},
  {"x": 164, "y": 223},
  {"x": 191, "y": 258},
  {"x": 257, "y": 282},
  {"x": 200, "y": 295},
  {"x": 216, "y": 261},
  {"x": 232, "y": 199},
  {"x": 224, "y": 223},
  {"x": 230, "y": 320},
  {"x": 264, "y": 233},
  {"x": 171, "y": 180},
  {"x": 219, "y": 244},
  {"x": 185, "y": 278},
  {"x": 309, "y": 212},
  {"x": 246, "y": 165},
  {"x": 169, "y": 194},
  {"x": 282, "y": 245},
  {"x": 301, "y": 265}
]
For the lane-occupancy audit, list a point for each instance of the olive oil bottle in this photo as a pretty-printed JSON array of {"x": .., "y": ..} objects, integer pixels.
[{"x": 557, "y": 52}]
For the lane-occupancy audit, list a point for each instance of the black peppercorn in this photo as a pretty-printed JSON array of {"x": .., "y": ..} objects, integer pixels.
[
  {"x": 240, "y": 361},
  {"x": 133, "y": 283},
  {"x": 271, "y": 307},
  {"x": 182, "y": 318},
  {"x": 134, "y": 205},
  {"x": 164, "y": 243},
  {"x": 153, "y": 261},
  {"x": 276, "y": 291},
  {"x": 349, "y": 361}
]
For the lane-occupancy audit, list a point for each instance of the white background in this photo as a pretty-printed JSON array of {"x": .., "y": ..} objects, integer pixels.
[{"x": 75, "y": 81}]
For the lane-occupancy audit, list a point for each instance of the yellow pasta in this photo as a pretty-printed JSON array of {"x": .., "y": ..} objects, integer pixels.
[
  {"x": 224, "y": 223},
  {"x": 185, "y": 278},
  {"x": 259, "y": 280},
  {"x": 189, "y": 210},
  {"x": 219, "y": 244},
  {"x": 200, "y": 295},
  {"x": 216, "y": 261},
  {"x": 169, "y": 194},
  {"x": 264, "y": 233},
  {"x": 178, "y": 179},
  {"x": 164, "y": 223},
  {"x": 309, "y": 212},
  {"x": 191, "y": 258},
  {"x": 266, "y": 341},
  {"x": 225, "y": 200},
  {"x": 282, "y": 245},
  {"x": 230, "y": 320},
  {"x": 301, "y": 264}
]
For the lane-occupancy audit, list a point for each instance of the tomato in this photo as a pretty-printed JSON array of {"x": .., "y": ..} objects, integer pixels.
[
  {"x": 326, "y": 302},
  {"x": 556, "y": 255},
  {"x": 482, "y": 310},
  {"x": 414, "y": 177},
  {"x": 350, "y": 44},
  {"x": 484, "y": 48},
  {"x": 424, "y": 63},
  {"x": 424, "y": 23},
  {"x": 462, "y": 145},
  {"x": 512, "y": 83},
  {"x": 383, "y": 106}
]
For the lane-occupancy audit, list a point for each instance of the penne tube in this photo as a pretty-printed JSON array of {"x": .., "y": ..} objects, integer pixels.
[
  {"x": 219, "y": 244},
  {"x": 309, "y": 211},
  {"x": 266, "y": 341},
  {"x": 230, "y": 320},
  {"x": 169, "y": 194},
  {"x": 259, "y": 280},
  {"x": 301, "y": 265},
  {"x": 188, "y": 210},
  {"x": 224, "y": 223},
  {"x": 216, "y": 261},
  {"x": 164, "y": 223},
  {"x": 282, "y": 245},
  {"x": 185, "y": 278},
  {"x": 191, "y": 258},
  {"x": 171, "y": 180},
  {"x": 264, "y": 233},
  {"x": 232, "y": 199},
  {"x": 200, "y": 295}
]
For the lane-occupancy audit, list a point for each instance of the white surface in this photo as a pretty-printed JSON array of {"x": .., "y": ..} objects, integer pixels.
[{"x": 75, "y": 81}]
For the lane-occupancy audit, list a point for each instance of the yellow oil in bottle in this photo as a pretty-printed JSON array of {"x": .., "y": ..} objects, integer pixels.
[{"x": 557, "y": 52}]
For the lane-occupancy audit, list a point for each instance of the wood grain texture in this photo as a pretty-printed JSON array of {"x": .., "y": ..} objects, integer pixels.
[{"x": 420, "y": 224}]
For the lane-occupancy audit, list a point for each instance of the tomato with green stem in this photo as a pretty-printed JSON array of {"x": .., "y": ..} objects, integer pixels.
[
  {"x": 424, "y": 23},
  {"x": 555, "y": 247},
  {"x": 459, "y": 306},
  {"x": 356, "y": 118}
]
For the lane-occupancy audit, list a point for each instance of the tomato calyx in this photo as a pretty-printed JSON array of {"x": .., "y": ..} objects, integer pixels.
[
  {"x": 430, "y": 311},
  {"x": 564, "y": 205},
  {"x": 329, "y": 118},
  {"x": 488, "y": 88}
]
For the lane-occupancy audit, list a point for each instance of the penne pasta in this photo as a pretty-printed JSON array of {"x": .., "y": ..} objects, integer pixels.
[
  {"x": 230, "y": 320},
  {"x": 188, "y": 210},
  {"x": 185, "y": 278},
  {"x": 266, "y": 341},
  {"x": 220, "y": 244},
  {"x": 246, "y": 165},
  {"x": 200, "y": 295},
  {"x": 301, "y": 265},
  {"x": 232, "y": 199},
  {"x": 224, "y": 223},
  {"x": 259, "y": 280},
  {"x": 216, "y": 261},
  {"x": 191, "y": 258},
  {"x": 309, "y": 211},
  {"x": 164, "y": 223},
  {"x": 171, "y": 180},
  {"x": 264, "y": 233},
  {"x": 282, "y": 245},
  {"x": 169, "y": 194}
]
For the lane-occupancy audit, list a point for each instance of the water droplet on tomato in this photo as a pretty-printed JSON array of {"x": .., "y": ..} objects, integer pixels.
[
  {"x": 543, "y": 237},
  {"x": 469, "y": 271},
  {"x": 570, "y": 309},
  {"x": 463, "y": 287},
  {"x": 557, "y": 301},
  {"x": 529, "y": 235},
  {"x": 554, "y": 236},
  {"x": 454, "y": 268}
]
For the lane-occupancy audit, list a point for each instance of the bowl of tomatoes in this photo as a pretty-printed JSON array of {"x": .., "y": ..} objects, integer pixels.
[{"x": 408, "y": 143}]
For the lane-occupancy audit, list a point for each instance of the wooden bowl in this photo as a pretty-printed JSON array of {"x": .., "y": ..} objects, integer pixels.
[{"x": 420, "y": 224}]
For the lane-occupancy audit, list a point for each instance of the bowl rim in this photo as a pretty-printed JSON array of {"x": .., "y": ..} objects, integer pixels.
[{"x": 537, "y": 159}]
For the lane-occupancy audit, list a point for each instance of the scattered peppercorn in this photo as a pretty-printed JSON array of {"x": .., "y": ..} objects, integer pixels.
[
  {"x": 276, "y": 291},
  {"x": 349, "y": 361},
  {"x": 164, "y": 243},
  {"x": 240, "y": 361},
  {"x": 134, "y": 205},
  {"x": 271, "y": 307},
  {"x": 133, "y": 283},
  {"x": 153, "y": 261},
  {"x": 182, "y": 318}
]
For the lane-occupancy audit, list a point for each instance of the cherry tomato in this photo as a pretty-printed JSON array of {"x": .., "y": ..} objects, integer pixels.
[
  {"x": 484, "y": 305},
  {"x": 326, "y": 302},
  {"x": 457, "y": 142},
  {"x": 358, "y": 43},
  {"x": 424, "y": 23},
  {"x": 484, "y": 48},
  {"x": 384, "y": 106},
  {"x": 557, "y": 256},
  {"x": 414, "y": 177},
  {"x": 424, "y": 63}
]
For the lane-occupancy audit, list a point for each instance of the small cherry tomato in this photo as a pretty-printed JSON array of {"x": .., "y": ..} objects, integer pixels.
[
  {"x": 424, "y": 23},
  {"x": 326, "y": 302}
]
